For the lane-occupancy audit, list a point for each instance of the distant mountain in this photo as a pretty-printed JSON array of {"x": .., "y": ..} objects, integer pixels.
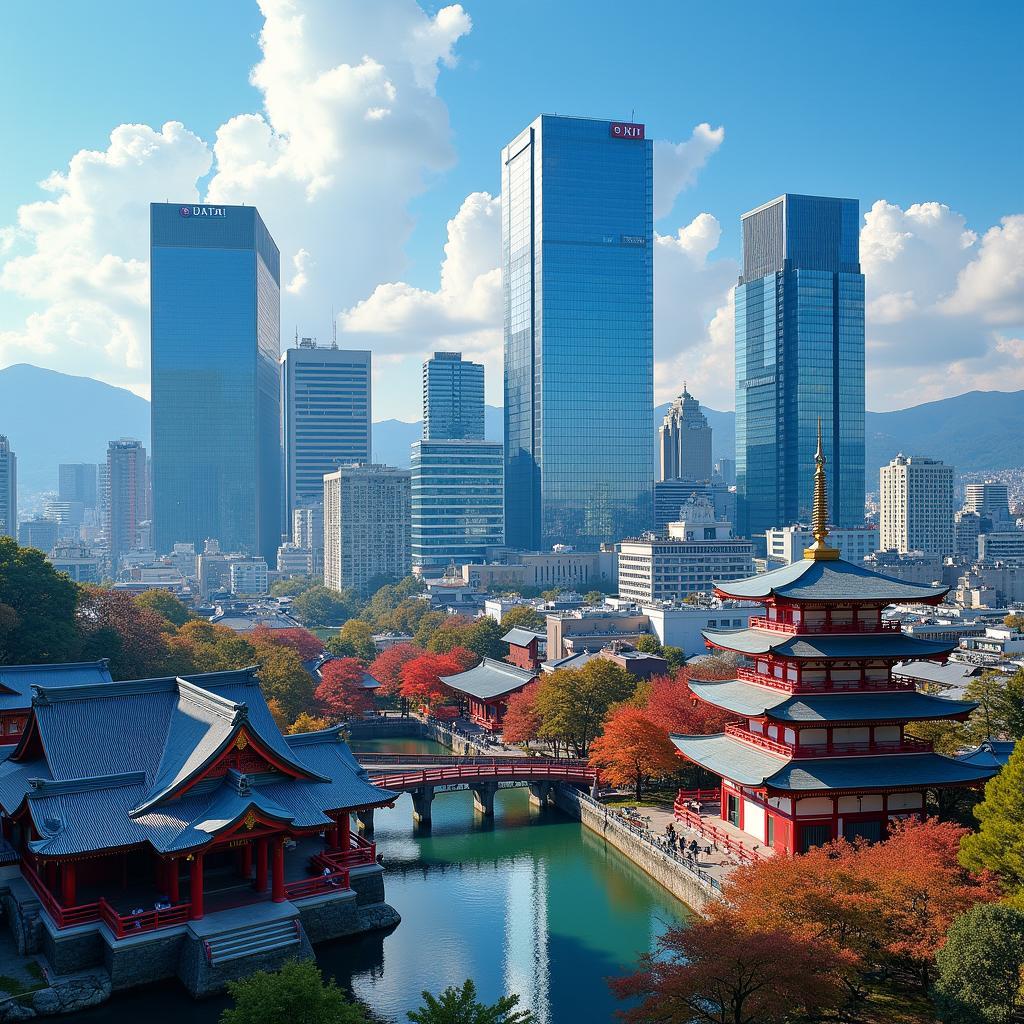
[{"x": 52, "y": 418}]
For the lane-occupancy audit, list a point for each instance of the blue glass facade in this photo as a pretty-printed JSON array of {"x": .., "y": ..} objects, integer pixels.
[
  {"x": 799, "y": 356},
  {"x": 453, "y": 398},
  {"x": 577, "y": 258},
  {"x": 215, "y": 329}
]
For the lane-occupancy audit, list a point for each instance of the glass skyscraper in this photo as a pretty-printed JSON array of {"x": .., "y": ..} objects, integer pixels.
[
  {"x": 799, "y": 356},
  {"x": 577, "y": 260},
  {"x": 215, "y": 328},
  {"x": 453, "y": 398}
]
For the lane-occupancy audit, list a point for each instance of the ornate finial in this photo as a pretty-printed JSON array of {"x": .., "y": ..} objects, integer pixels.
[{"x": 820, "y": 550}]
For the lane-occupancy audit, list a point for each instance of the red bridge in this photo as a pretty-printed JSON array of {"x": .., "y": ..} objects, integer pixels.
[{"x": 420, "y": 774}]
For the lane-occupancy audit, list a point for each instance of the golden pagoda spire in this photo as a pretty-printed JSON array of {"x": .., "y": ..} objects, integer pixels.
[{"x": 819, "y": 550}]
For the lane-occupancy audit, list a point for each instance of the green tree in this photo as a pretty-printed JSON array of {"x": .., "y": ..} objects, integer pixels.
[
  {"x": 551, "y": 594},
  {"x": 429, "y": 622},
  {"x": 998, "y": 845},
  {"x": 37, "y": 608},
  {"x": 593, "y": 597},
  {"x": 284, "y": 679},
  {"x": 292, "y": 587},
  {"x": 354, "y": 640},
  {"x": 452, "y": 633},
  {"x": 297, "y": 993},
  {"x": 406, "y": 616},
  {"x": 410, "y": 586},
  {"x": 459, "y": 1005},
  {"x": 675, "y": 656},
  {"x": 379, "y": 608},
  {"x": 483, "y": 638},
  {"x": 164, "y": 604},
  {"x": 572, "y": 704},
  {"x": 980, "y": 965},
  {"x": 524, "y": 616},
  {"x": 649, "y": 644},
  {"x": 321, "y": 606},
  {"x": 1007, "y": 706}
]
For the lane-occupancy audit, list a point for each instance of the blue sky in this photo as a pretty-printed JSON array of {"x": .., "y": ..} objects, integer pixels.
[{"x": 912, "y": 103}]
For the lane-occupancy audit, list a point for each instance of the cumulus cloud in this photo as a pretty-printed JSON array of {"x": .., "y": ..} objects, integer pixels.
[
  {"x": 351, "y": 130},
  {"x": 676, "y": 165}
]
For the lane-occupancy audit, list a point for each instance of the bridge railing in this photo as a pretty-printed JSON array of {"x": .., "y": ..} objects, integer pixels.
[
  {"x": 372, "y": 760},
  {"x": 527, "y": 771}
]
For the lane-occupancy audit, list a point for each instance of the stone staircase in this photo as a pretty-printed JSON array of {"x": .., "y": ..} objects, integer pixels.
[{"x": 252, "y": 940}]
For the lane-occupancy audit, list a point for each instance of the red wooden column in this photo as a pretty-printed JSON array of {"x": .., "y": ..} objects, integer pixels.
[
  {"x": 173, "y": 890},
  {"x": 278, "y": 869},
  {"x": 247, "y": 861},
  {"x": 67, "y": 888},
  {"x": 344, "y": 832},
  {"x": 196, "y": 892},
  {"x": 50, "y": 875},
  {"x": 261, "y": 865}
]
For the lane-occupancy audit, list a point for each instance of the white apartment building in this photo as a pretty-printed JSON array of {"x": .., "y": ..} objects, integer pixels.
[
  {"x": 916, "y": 507},
  {"x": 249, "y": 577},
  {"x": 699, "y": 550},
  {"x": 786, "y": 544}
]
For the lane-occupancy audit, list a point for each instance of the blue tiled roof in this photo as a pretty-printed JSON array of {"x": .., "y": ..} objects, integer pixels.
[
  {"x": 115, "y": 754},
  {"x": 744, "y": 698},
  {"x": 836, "y": 580},
  {"x": 826, "y": 645},
  {"x": 747, "y": 765},
  {"x": 989, "y": 753},
  {"x": 489, "y": 679},
  {"x": 16, "y": 681}
]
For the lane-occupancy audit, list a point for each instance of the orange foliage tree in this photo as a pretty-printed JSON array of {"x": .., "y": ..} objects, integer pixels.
[
  {"x": 632, "y": 749},
  {"x": 723, "y": 971},
  {"x": 421, "y": 682},
  {"x": 341, "y": 693},
  {"x": 674, "y": 707},
  {"x": 307, "y": 645},
  {"x": 387, "y": 667},
  {"x": 521, "y": 721}
]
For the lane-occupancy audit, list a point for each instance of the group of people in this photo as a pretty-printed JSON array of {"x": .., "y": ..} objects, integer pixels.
[{"x": 677, "y": 843}]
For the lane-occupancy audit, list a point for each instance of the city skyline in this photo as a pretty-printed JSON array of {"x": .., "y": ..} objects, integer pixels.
[{"x": 942, "y": 316}]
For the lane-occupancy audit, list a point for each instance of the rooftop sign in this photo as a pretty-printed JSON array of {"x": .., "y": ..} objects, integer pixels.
[
  {"x": 202, "y": 211},
  {"x": 625, "y": 130}
]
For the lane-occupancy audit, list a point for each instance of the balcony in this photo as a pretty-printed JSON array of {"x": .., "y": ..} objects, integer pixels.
[
  {"x": 907, "y": 745},
  {"x": 858, "y": 684},
  {"x": 809, "y": 629}
]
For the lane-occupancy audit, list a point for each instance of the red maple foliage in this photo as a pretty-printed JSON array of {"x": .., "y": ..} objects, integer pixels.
[
  {"x": 632, "y": 749},
  {"x": 674, "y": 707},
  {"x": 421, "y": 682},
  {"x": 387, "y": 667},
  {"x": 722, "y": 971},
  {"x": 307, "y": 645},
  {"x": 521, "y": 720},
  {"x": 341, "y": 693}
]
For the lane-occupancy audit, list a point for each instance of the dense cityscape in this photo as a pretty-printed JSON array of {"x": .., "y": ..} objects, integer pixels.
[{"x": 619, "y": 707}]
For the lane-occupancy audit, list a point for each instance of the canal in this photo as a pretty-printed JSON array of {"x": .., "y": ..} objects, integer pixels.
[{"x": 530, "y": 903}]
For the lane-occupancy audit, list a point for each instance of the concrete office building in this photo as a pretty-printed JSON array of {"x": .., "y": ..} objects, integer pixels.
[
  {"x": 671, "y": 495},
  {"x": 725, "y": 470},
  {"x": 1001, "y": 546},
  {"x": 916, "y": 506},
  {"x": 786, "y": 544},
  {"x": 577, "y": 274},
  {"x": 325, "y": 417},
  {"x": 967, "y": 528},
  {"x": 453, "y": 398},
  {"x": 684, "y": 441},
  {"x": 126, "y": 501},
  {"x": 366, "y": 526},
  {"x": 699, "y": 550},
  {"x": 799, "y": 359},
  {"x": 216, "y": 410},
  {"x": 38, "y": 532},
  {"x": 8, "y": 489},
  {"x": 990, "y": 499},
  {"x": 77, "y": 560},
  {"x": 76, "y": 481}
]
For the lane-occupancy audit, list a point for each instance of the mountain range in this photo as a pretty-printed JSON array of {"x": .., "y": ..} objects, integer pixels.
[{"x": 53, "y": 417}]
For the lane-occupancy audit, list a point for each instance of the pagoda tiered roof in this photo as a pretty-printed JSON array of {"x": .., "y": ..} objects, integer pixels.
[
  {"x": 490, "y": 679},
  {"x": 16, "y": 681},
  {"x": 884, "y": 644},
  {"x": 171, "y": 762},
  {"x": 836, "y": 581},
  {"x": 749, "y": 699},
  {"x": 748, "y": 765}
]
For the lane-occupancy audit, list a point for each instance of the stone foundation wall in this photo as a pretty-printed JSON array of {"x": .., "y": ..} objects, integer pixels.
[
  {"x": 368, "y": 883},
  {"x": 132, "y": 962},
  {"x": 666, "y": 872},
  {"x": 70, "y": 950}
]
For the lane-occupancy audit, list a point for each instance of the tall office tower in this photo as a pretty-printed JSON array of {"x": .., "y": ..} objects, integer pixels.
[
  {"x": 76, "y": 481},
  {"x": 215, "y": 328},
  {"x": 577, "y": 259},
  {"x": 308, "y": 534},
  {"x": 726, "y": 469},
  {"x": 989, "y": 499},
  {"x": 126, "y": 505},
  {"x": 799, "y": 357},
  {"x": 366, "y": 526},
  {"x": 916, "y": 506},
  {"x": 457, "y": 502},
  {"x": 453, "y": 398},
  {"x": 684, "y": 441},
  {"x": 325, "y": 417},
  {"x": 8, "y": 489}
]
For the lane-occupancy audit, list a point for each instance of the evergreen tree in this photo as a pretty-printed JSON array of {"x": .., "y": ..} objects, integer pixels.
[
  {"x": 998, "y": 845},
  {"x": 461, "y": 1006},
  {"x": 296, "y": 993}
]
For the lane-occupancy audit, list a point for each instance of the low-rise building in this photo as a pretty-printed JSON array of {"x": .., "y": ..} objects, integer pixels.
[
  {"x": 78, "y": 561},
  {"x": 786, "y": 544},
  {"x": 681, "y": 625},
  {"x": 526, "y": 648},
  {"x": 1004, "y": 546},
  {"x": 487, "y": 689},
  {"x": 248, "y": 577},
  {"x": 591, "y": 629},
  {"x": 560, "y": 567},
  {"x": 999, "y": 643},
  {"x": 911, "y": 566},
  {"x": 640, "y": 664}
]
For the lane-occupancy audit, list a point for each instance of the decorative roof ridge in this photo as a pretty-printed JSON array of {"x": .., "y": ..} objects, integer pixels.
[
  {"x": 229, "y": 710},
  {"x": 246, "y": 676},
  {"x": 42, "y": 694},
  {"x": 55, "y": 666},
  {"x": 332, "y": 733},
  {"x": 503, "y": 666},
  {"x": 57, "y": 787}
]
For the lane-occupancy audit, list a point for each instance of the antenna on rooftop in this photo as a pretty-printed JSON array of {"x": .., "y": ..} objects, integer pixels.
[{"x": 334, "y": 329}]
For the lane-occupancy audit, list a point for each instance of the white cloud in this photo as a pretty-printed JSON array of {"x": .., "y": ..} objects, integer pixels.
[
  {"x": 992, "y": 286},
  {"x": 676, "y": 165}
]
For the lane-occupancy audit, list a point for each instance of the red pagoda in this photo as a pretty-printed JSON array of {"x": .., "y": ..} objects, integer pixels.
[{"x": 819, "y": 749}]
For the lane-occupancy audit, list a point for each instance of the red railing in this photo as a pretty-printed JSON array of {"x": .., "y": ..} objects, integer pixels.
[
  {"x": 704, "y": 796},
  {"x": 757, "y": 740},
  {"x": 62, "y": 917},
  {"x": 811, "y": 629},
  {"x": 858, "y": 684},
  {"x": 360, "y": 853},
  {"x": 717, "y": 835},
  {"x": 318, "y": 885},
  {"x": 908, "y": 745},
  {"x": 371, "y": 759},
  {"x": 123, "y": 925},
  {"x": 480, "y": 773}
]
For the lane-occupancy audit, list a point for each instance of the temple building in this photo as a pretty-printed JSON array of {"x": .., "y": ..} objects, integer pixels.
[
  {"x": 487, "y": 688},
  {"x": 818, "y": 749},
  {"x": 166, "y": 827}
]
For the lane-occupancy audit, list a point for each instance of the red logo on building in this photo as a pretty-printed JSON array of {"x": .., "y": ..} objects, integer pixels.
[{"x": 625, "y": 130}]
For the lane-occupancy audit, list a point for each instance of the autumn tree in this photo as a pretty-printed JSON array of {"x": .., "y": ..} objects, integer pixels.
[
  {"x": 354, "y": 640},
  {"x": 307, "y": 723},
  {"x": 523, "y": 615},
  {"x": 573, "y": 703},
  {"x": 674, "y": 707},
  {"x": 387, "y": 667},
  {"x": 284, "y": 678},
  {"x": 453, "y": 632},
  {"x": 648, "y": 643},
  {"x": 421, "y": 677},
  {"x": 308, "y": 646},
  {"x": 723, "y": 971},
  {"x": 166, "y": 605},
  {"x": 202, "y": 646},
  {"x": 37, "y": 608},
  {"x": 998, "y": 845},
  {"x": 632, "y": 749},
  {"x": 521, "y": 721},
  {"x": 113, "y": 625},
  {"x": 341, "y": 693}
]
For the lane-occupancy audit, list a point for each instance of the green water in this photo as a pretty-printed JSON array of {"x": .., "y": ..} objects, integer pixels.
[{"x": 529, "y": 903}]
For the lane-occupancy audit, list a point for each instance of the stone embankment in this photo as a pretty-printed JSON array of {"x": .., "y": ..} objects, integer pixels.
[{"x": 66, "y": 995}]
